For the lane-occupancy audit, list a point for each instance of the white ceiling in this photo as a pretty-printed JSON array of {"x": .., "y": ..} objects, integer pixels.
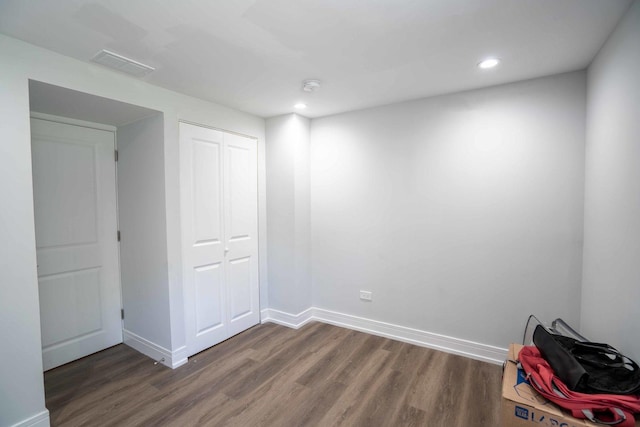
[{"x": 254, "y": 54}]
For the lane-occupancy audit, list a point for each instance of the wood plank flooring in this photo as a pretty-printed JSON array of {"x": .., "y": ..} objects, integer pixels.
[{"x": 270, "y": 375}]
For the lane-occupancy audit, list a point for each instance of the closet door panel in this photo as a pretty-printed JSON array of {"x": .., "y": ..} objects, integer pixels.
[
  {"x": 209, "y": 298},
  {"x": 207, "y": 218},
  {"x": 240, "y": 280},
  {"x": 201, "y": 163},
  {"x": 241, "y": 226}
]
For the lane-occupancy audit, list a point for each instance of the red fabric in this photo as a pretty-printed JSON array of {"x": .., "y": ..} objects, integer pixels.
[{"x": 543, "y": 379}]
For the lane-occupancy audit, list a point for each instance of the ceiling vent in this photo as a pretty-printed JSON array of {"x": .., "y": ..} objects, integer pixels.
[{"x": 121, "y": 63}]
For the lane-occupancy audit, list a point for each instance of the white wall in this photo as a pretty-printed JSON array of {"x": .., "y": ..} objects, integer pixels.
[
  {"x": 461, "y": 213},
  {"x": 288, "y": 212},
  {"x": 611, "y": 276},
  {"x": 142, "y": 221},
  {"x": 21, "y": 388}
]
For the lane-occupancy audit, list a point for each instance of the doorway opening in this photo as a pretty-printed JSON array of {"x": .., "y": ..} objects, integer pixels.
[{"x": 100, "y": 225}]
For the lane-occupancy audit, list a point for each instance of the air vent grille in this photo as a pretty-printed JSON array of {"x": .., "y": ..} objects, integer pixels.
[{"x": 122, "y": 63}]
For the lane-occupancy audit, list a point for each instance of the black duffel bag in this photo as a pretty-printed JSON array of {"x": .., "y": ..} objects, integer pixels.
[{"x": 588, "y": 367}]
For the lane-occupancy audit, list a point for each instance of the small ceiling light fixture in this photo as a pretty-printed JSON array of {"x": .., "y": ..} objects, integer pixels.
[
  {"x": 488, "y": 63},
  {"x": 122, "y": 63},
  {"x": 310, "y": 85},
  {"x": 300, "y": 106}
]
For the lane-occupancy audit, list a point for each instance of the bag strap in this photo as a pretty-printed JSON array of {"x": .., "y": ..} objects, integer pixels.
[
  {"x": 609, "y": 357},
  {"x": 615, "y": 416}
]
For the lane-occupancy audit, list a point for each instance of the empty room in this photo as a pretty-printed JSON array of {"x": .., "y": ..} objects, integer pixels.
[{"x": 316, "y": 212}]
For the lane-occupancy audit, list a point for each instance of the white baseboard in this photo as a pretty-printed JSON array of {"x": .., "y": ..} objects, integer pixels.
[
  {"x": 179, "y": 357},
  {"x": 41, "y": 419},
  {"x": 474, "y": 350},
  {"x": 294, "y": 321},
  {"x": 155, "y": 351}
]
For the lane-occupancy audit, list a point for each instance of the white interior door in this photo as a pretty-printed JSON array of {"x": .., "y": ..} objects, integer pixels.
[
  {"x": 74, "y": 190},
  {"x": 219, "y": 225}
]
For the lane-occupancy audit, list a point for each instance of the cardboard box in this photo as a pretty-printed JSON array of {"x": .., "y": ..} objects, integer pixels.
[{"x": 522, "y": 406}]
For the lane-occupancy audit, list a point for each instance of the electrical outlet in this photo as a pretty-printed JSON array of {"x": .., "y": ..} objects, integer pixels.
[{"x": 366, "y": 295}]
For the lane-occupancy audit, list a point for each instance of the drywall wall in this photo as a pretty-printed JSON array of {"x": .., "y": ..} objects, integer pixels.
[
  {"x": 288, "y": 212},
  {"x": 611, "y": 276},
  {"x": 21, "y": 388},
  {"x": 142, "y": 222},
  {"x": 462, "y": 214}
]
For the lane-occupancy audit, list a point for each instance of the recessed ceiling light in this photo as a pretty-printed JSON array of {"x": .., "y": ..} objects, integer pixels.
[
  {"x": 488, "y": 63},
  {"x": 300, "y": 106}
]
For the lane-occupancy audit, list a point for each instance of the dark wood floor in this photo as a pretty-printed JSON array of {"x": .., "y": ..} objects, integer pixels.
[{"x": 270, "y": 375}]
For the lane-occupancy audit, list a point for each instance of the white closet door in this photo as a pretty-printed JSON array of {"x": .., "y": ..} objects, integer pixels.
[
  {"x": 219, "y": 225},
  {"x": 241, "y": 229},
  {"x": 75, "y": 221}
]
